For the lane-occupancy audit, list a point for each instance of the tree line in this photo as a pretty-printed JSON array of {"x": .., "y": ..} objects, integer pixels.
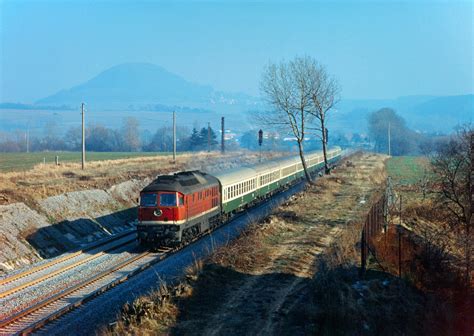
[{"x": 99, "y": 138}]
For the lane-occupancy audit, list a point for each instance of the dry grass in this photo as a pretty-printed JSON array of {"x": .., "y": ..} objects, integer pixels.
[
  {"x": 50, "y": 180},
  {"x": 155, "y": 313}
]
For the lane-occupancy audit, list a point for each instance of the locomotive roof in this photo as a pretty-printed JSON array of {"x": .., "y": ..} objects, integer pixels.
[{"x": 183, "y": 182}]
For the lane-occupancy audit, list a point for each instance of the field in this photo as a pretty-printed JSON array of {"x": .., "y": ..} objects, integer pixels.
[
  {"x": 24, "y": 161},
  {"x": 406, "y": 170}
]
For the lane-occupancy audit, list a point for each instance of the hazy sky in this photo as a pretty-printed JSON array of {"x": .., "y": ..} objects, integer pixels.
[{"x": 376, "y": 49}]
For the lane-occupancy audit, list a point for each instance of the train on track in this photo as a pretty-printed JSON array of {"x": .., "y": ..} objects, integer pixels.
[{"x": 176, "y": 208}]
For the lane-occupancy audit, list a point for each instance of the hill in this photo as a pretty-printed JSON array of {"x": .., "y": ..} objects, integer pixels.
[{"x": 141, "y": 84}]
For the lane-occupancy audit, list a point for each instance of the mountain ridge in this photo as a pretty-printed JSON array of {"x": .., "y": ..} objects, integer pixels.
[{"x": 142, "y": 83}]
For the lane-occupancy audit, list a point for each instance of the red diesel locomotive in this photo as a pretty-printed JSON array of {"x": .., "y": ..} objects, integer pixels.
[{"x": 175, "y": 208}]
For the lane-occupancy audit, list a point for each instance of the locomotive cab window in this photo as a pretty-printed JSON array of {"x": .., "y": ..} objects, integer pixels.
[
  {"x": 181, "y": 200},
  {"x": 147, "y": 200},
  {"x": 168, "y": 199}
]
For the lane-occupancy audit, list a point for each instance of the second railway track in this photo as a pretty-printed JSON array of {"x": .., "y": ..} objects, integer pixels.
[{"x": 12, "y": 281}]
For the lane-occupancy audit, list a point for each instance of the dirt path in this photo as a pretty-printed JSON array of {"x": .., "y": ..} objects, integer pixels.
[{"x": 272, "y": 273}]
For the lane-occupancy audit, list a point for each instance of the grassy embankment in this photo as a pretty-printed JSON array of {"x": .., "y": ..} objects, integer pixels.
[
  {"x": 105, "y": 170},
  {"x": 10, "y": 162}
]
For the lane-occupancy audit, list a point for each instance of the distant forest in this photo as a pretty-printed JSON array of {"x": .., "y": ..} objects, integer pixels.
[{"x": 127, "y": 138}]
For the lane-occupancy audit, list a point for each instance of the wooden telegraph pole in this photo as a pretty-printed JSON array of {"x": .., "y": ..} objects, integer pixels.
[
  {"x": 400, "y": 242},
  {"x": 174, "y": 137},
  {"x": 222, "y": 136},
  {"x": 208, "y": 136},
  {"x": 389, "y": 140},
  {"x": 27, "y": 140},
  {"x": 83, "y": 138}
]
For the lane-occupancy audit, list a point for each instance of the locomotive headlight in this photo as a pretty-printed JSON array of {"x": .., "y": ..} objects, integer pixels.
[{"x": 158, "y": 212}]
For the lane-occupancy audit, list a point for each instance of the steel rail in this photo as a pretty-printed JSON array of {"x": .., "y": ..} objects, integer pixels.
[
  {"x": 64, "y": 258},
  {"x": 43, "y": 304},
  {"x": 62, "y": 270},
  {"x": 34, "y": 310}
]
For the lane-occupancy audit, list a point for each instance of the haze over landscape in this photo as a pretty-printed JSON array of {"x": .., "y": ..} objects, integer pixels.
[
  {"x": 241, "y": 167},
  {"x": 415, "y": 57}
]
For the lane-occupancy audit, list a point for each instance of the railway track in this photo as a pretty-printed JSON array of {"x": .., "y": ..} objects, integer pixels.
[
  {"x": 39, "y": 314},
  {"x": 60, "y": 265},
  {"x": 20, "y": 293},
  {"x": 11, "y": 280}
]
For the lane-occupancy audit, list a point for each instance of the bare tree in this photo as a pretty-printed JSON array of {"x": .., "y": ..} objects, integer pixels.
[
  {"x": 452, "y": 167},
  {"x": 131, "y": 134},
  {"x": 324, "y": 96},
  {"x": 287, "y": 89}
]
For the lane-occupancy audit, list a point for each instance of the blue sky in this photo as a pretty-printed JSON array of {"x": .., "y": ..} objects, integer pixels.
[{"x": 376, "y": 49}]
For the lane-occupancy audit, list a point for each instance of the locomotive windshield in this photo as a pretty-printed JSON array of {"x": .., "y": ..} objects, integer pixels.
[
  {"x": 168, "y": 199},
  {"x": 147, "y": 200}
]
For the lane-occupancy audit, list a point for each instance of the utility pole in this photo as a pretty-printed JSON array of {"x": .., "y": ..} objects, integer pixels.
[
  {"x": 83, "y": 138},
  {"x": 27, "y": 139},
  {"x": 400, "y": 242},
  {"x": 208, "y": 136},
  {"x": 389, "y": 141},
  {"x": 222, "y": 136},
  {"x": 174, "y": 137},
  {"x": 469, "y": 263}
]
